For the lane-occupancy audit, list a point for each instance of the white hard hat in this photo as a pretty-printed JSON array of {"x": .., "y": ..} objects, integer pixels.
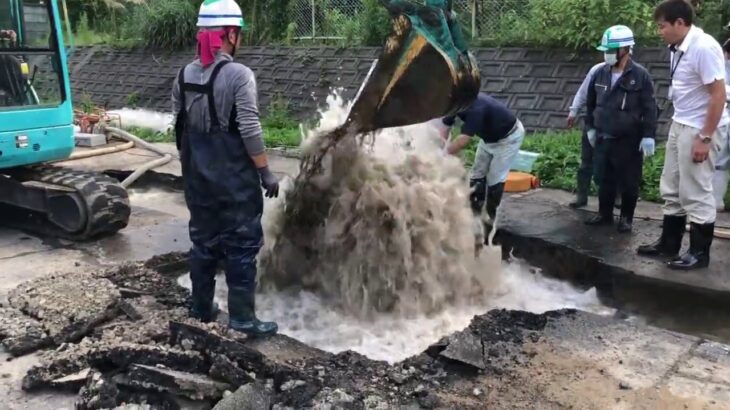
[
  {"x": 616, "y": 37},
  {"x": 220, "y": 13}
]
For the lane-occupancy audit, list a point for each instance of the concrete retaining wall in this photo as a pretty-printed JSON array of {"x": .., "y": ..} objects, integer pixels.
[{"x": 539, "y": 84}]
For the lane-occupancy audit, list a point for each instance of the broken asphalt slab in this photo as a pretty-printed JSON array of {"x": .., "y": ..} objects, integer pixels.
[
  {"x": 193, "y": 386},
  {"x": 21, "y": 334},
  {"x": 500, "y": 351},
  {"x": 68, "y": 306}
]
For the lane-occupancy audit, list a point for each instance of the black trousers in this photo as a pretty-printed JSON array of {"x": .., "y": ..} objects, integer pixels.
[
  {"x": 621, "y": 165},
  {"x": 589, "y": 166}
]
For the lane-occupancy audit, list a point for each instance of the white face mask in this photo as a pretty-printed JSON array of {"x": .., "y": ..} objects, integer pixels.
[{"x": 610, "y": 58}]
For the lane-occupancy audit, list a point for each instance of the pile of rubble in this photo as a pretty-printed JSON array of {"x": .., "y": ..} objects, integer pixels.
[{"x": 122, "y": 339}]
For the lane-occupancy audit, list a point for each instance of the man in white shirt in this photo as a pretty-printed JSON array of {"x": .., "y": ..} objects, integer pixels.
[
  {"x": 720, "y": 180},
  {"x": 696, "y": 137}
]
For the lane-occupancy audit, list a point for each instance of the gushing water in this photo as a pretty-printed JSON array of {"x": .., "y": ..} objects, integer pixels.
[
  {"x": 137, "y": 117},
  {"x": 381, "y": 259},
  {"x": 311, "y": 318},
  {"x": 383, "y": 227}
]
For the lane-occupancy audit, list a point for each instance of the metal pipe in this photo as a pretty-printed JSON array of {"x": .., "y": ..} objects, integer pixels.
[
  {"x": 473, "y": 19},
  {"x": 314, "y": 23}
]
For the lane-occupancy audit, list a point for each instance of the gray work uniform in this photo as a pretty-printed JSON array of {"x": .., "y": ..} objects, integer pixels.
[{"x": 235, "y": 83}]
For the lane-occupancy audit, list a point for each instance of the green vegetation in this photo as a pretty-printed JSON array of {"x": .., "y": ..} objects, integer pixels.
[
  {"x": 558, "y": 165},
  {"x": 576, "y": 24},
  {"x": 151, "y": 135},
  {"x": 544, "y": 22}
]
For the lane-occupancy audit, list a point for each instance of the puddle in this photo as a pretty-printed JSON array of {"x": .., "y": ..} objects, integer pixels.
[{"x": 308, "y": 318}]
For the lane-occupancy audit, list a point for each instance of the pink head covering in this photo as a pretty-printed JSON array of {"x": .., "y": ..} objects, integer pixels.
[{"x": 209, "y": 42}]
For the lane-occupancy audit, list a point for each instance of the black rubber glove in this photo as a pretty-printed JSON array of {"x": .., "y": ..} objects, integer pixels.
[{"x": 269, "y": 182}]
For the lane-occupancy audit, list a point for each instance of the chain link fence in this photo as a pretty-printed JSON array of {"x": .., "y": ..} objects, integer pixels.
[
  {"x": 331, "y": 19},
  {"x": 323, "y": 19}
]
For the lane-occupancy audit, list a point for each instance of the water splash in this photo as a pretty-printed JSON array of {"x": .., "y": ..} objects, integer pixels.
[
  {"x": 394, "y": 267},
  {"x": 385, "y": 227},
  {"x": 137, "y": 117}
]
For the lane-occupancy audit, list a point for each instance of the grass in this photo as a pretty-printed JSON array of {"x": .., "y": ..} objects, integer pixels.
[
  {"x": 558, "y": 165},
  {"x": 273, "y": 137}
]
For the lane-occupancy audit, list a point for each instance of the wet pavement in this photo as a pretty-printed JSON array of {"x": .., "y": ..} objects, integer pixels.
[
  {"x": 581, "y": 359},
  {"x": 543, "y": 215}
]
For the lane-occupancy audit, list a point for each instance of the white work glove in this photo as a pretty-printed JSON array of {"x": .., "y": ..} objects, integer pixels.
[
  {"x": 647, "y": 146},
  {"x": 592, "y": 137}
]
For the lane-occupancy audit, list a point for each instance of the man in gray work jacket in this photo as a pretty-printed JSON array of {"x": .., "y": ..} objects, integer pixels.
[
  {"x": 587, "y": 168},
  {"x": 224, "y": 166},
  {"x": 621, "y": 121}
]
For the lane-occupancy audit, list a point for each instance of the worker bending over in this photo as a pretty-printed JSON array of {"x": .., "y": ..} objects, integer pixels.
[
  {"x": 501, "y": 135},
  {"x": 224, "y": 166},
  {"x": 621, "y": 121}
]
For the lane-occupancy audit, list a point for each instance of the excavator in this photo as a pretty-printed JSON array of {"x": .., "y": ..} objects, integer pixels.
[
  {"x": 36, "y": 129},
  {"x": 424, "y": 72}
]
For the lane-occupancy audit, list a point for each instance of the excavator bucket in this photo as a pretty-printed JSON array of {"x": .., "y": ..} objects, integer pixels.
[{"x": 424, "y": 71}]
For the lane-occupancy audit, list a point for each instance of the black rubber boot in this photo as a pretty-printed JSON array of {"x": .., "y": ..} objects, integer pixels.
[
  {"x": 478, "y": 194},
  {"x": 494, "y": 198},
  {"x": 242, "y": 312},
  {"x": 698, "y": 255},
  {"x": 580, "y": 201},
  {"x": 670, "y": 241},
  {"x": 202, "y": 276},
  {"x": 599, "y": 220},
  {"x": 625, "y": 224},
  {"x": 581, "y": 194}
]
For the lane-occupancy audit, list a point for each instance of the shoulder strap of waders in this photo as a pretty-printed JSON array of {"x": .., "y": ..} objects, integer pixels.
[
  {"x": 182, "y": 113},
  {"x": 206, "y": 89}
]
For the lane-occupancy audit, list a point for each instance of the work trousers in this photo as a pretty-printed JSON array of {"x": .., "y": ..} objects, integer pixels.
[
  {"x": 223, "y": 194},
  {"x": 494, "y": 160},
  {"x": 589, "y": 166},
  {"x": 620, "y": 162},
  {"x": 686, "y": 186},
  {"x": 720, "y": 180}
]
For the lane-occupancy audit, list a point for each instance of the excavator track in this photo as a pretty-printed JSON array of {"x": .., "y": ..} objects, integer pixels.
[{"x": 93, "y": 204}]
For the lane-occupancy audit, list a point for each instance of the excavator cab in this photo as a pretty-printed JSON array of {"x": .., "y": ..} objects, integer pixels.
[
  {"x": 36, "y": 127},
  {"x": 34, "y": 97}
]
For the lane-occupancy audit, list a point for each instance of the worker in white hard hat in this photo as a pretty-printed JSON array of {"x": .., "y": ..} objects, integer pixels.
[
  {"x": 224, "y": 167},
  {"x": 621, "y": 120}
]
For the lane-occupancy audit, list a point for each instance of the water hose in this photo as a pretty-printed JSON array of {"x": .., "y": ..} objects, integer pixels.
[
  {"x": 131, "y": 141},
  {"x": 100, "y": 151},
  {"x": 165, "y": 157}
]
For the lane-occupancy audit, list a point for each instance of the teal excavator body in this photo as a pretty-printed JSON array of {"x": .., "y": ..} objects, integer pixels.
[
  {"x": 36, "y": 124},
  {"x": 37, "y": 127}
]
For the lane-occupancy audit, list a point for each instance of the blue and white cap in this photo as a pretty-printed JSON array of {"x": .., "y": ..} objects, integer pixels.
[{"x": 220, "y": 13}]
